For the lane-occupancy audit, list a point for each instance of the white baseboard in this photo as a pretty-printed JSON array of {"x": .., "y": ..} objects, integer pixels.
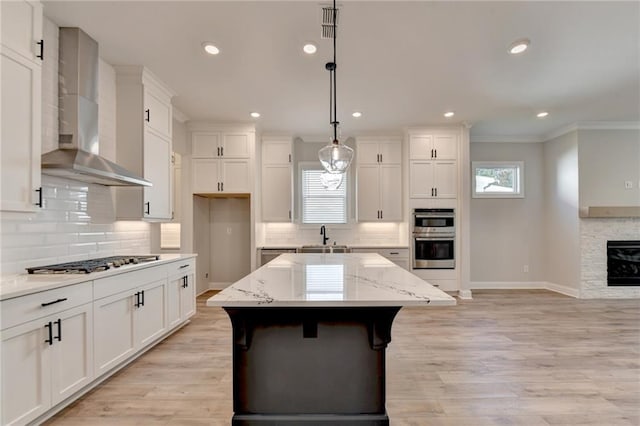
[
  {"x": 524, "y": 285},
  {"x": 563, "y": 289},
  {"x": 219, "y": 285}
]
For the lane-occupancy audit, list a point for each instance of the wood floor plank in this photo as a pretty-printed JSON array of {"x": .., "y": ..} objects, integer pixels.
[{"x": 520, "y": 357}]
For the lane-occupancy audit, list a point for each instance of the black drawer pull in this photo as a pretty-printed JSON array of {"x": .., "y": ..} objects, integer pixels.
[
  {"x": 393, "y": 252},
  {"x": 59, "y": 336},
  {"x": 54, "y": 302},
  {"x": 184, "y": 266},
  {"x": 148, "y": 119},
  {"x": 41, "y": 55},
  {"x": 39, "y": 191},
  {"x": 50, "y": 332}
]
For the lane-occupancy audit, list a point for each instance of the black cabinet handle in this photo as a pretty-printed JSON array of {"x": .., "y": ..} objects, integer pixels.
[
  {"x": 147, "y": 209},
  {"x": 289, "y": 157},
  {"x": 148, "y": 112},
  {"x": 222, "y": 151},
  {"x": 54, "y": 302},
  {"x": 381, "y": 214},
  {"x": 49, "y": 332},
  {"x": 184, "y": 266},
  {"x": 435, "y": 151},
  {"x": 41, "y": 55},
  {"x": 184, "y": 282},
  {"x": 218, "y": 151},
  {"x": 221, "y": 186},
  {"x": 142, "y": 294},
  {"x": 218, "y": 186},
  {"x": 39, "y": 191},
  {"x": 137, "y": 302},
  {"x": 436, "y": 191},
  {"x": 59, "y": 336}
]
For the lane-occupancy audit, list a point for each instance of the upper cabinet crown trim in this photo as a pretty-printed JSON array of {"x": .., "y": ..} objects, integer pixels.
[{"x": 135, "y": 73}]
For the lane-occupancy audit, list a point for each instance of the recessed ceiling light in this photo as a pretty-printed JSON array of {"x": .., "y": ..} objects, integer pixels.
[
  {"x": 210, "y": 48},
  {"x": 255, "y": 114},
  {"x": 309, "y": 48},
  {"x": 357, "y": 114},
  {"x": 519, "y": 46},
  {"x": 449, "y": 114},
  {"x": 542, "y": 114}
]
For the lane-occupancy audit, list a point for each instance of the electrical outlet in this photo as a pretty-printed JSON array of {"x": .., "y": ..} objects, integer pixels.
[
  {"x": 525, "y": 268},
  {"x": 628, "y": 184}
]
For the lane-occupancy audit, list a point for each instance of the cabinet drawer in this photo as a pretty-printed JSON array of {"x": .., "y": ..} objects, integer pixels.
[
  {"x": 181, "y": 267},
  {"x": 26, "y": 308},
  {"x": 390, "y": 253},
  {"x": 122, "y": 282}
]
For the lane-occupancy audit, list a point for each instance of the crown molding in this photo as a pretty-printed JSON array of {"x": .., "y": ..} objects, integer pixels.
[
  {"x": 593, "y": 125},
  {"x": 179, "y": 115},
  {"x": 506, "y": 139}
]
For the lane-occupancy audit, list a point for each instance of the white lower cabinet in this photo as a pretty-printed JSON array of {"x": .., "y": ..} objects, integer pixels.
[
  {"x": 44, "y": 361},
  {"x": 181, "y": 295},
  {"x": 127, "y": 322}
]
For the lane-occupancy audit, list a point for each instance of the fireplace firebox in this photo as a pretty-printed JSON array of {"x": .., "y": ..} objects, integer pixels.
[{"x": 623, "y": 263}]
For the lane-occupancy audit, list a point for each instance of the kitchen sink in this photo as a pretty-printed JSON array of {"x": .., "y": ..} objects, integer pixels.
[{"x": 324, "y": 249}]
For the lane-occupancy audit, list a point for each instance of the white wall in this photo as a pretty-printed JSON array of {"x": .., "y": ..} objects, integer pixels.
[
  {"x": 77, "y": 221},
  {"x": 201, "y": 241},
  {"x": 507, "y": 234},
  {"x": 561, "y": 223},
  {"x": 230, "y": 239},
  {"x": 608, "y": 158}
]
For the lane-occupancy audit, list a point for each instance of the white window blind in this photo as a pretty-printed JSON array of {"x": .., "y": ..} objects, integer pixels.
[{"x": 321, "y": 205}]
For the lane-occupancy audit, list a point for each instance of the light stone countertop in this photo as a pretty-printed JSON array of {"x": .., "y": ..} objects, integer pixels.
[
  {"x": 330, "y": 280},
  {"x": 23, "y": 284}
]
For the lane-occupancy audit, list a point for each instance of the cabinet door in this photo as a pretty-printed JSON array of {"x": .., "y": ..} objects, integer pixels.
[
  {"x": 391, "y": 193},
  {"x": 445, "y": 146},
  {"x": 205, "y": 145},
  {"x": 421, "y": 179},
  {"x": 235, "y": 145},
  {"x": 235, "y": 176},
  {"x": 445, "y": 179},
  {"x": 21, "y": 130},
  {"x": 367, "y": 152},
  {"x": 368, "y": 193},
  {"x": 390, "y": 152},
  {"x": 420, "y": 147},
  {"x": 205, "y": 176},
  {"x": 276, "y": 152},
  {"x": 176, "y": 186},
  {"x": 113, "y": 331},
  {"x": 26, "y": 372},
  {"x": 157, "y": 169},
  {"x": 188, "y": 297},
  {"x": 22, "y": 28},
  {"x": 150, "y": 321},
  {"x": 157, "y": 112},
  {"x": 276, "y": 193},
  {"x": 174, "y": 290},
  {"x": 72, "y": 352}
]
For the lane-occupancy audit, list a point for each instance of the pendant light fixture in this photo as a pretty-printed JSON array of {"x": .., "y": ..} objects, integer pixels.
[{"x": 335, "y": 158}]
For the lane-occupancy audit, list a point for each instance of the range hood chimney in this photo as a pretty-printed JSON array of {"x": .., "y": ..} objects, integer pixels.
[{"x": 77, "y": 154}]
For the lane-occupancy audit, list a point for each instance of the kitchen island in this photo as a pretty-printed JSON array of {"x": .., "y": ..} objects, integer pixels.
[{"x": 309, "y": 337}]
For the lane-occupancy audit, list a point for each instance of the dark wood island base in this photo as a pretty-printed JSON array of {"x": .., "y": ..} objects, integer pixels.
[{"x": 312, "y": 366}]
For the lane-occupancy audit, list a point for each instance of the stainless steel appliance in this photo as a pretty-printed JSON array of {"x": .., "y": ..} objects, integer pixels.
[
  {"x": 91, "y": 265},
  {"x": 434, "y": 239},
  {"x": 267, "y": 255}
]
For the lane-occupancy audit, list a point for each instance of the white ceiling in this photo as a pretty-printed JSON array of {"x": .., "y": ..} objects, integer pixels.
[{"x": 400, "y": 63}]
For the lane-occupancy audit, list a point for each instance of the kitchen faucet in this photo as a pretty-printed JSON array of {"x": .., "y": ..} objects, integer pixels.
[{"x": 323, "y": 232}]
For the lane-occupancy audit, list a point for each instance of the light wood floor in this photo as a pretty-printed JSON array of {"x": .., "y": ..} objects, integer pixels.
[{"x": 505, "y": 358}]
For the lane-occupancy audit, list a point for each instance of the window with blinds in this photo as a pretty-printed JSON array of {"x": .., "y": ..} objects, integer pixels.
[{"x": 319, "y": 204}]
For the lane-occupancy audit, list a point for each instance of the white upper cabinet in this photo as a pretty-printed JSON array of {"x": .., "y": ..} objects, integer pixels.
[
  {"x": 143, "y": 129},
  {"x": 220, "y": 144},
  {"x": 441, "y": 145},
  {"x": 277, "y": 180},
  {"x": 22, "y": 28},
  {"x": 379, "y": 180},
  {"x": 433, "y": 168},
  {"x": 21, "y": 117},
  {"x": 221, "y": 159}
]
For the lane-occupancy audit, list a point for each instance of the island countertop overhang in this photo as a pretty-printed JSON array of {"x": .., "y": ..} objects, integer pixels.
[{"x": 330, "y": 280}]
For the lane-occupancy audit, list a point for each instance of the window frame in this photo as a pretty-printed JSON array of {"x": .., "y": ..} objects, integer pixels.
[
  {"x": 312, "y": 165},
  {"x": 519, "y": 177}
]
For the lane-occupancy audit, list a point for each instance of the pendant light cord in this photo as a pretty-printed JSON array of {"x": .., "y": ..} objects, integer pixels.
[{"x": 332, "y": 84}]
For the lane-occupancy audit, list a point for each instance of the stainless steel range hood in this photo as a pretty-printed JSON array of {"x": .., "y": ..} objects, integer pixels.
[{"x": 77, "y": 157}]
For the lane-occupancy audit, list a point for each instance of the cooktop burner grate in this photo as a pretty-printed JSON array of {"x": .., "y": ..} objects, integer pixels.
[{"x": 91, "y": 265}]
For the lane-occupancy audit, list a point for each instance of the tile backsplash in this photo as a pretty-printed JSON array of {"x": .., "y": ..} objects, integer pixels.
[{"x": 76, "y": 222}]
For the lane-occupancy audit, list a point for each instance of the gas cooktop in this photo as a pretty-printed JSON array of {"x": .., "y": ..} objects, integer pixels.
[{"x": 91, "y": 265}]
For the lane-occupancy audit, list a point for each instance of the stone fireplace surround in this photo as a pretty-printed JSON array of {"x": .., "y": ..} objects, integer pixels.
[{"x": 594, "y": 234}]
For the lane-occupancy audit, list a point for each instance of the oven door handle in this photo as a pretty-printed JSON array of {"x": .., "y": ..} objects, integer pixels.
[{"x": 434, "y": 238}]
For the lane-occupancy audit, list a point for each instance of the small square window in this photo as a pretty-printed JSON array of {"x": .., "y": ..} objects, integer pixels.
[{"x": 497, "y": 179}]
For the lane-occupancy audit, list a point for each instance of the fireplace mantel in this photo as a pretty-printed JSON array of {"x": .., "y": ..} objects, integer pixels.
[{"x": 609, "y": 212}]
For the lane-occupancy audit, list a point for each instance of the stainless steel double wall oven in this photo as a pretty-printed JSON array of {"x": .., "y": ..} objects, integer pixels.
[{"x": 434, "y": 234}]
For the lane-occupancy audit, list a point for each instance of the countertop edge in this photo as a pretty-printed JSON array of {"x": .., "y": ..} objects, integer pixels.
[{"x": 49, "y": 281}]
